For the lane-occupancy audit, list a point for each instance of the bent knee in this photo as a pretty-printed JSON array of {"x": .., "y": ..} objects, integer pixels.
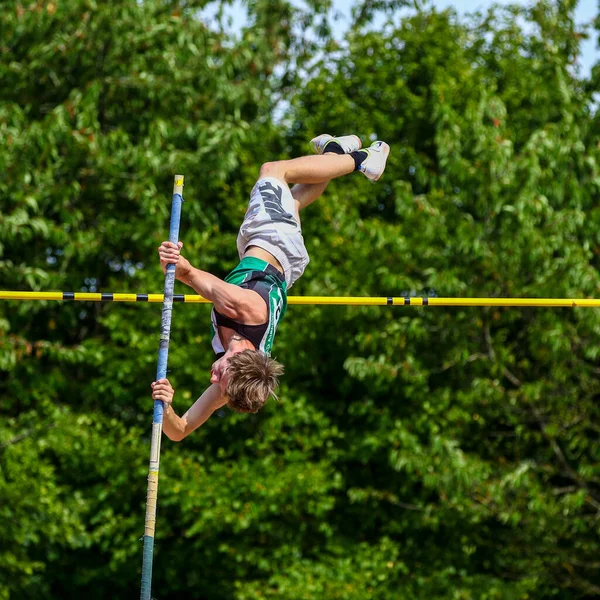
[{"x": 273, "y": 169}]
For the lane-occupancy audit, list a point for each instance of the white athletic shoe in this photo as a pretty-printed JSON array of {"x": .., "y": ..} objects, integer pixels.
[
  {"x": 374, "y": 165},
  {"x": 349, "y": 143}
]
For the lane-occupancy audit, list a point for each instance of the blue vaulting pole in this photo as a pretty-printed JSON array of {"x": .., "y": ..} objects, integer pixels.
[{"x": 161, "y": 372}]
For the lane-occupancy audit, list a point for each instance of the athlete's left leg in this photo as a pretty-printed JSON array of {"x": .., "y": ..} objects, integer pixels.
[
  {"x": 333, "y": 162},
  {"x": 309, "y": 169},
  {"x": 306, "y": 193}
]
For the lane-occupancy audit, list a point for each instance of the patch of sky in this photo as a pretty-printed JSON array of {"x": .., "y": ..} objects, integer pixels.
[{"x": 234, "y": 17}]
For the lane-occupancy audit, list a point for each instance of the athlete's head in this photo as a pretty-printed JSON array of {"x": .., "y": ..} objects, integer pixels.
[{"x": 250, "y": 377}]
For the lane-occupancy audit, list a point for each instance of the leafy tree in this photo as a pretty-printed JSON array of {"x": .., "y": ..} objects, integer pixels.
[
  {"x": 481, "y": 426},
  {"x": 415, "y": 453},
  {"x": 100, "y": 105}
]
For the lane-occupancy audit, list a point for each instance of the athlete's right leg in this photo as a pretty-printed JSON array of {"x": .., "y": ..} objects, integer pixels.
[{"x": 306, "y": 193}]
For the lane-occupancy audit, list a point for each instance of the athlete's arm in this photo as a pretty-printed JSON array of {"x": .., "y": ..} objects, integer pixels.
[
  {"x": 176, "y": 428},
  {"x": 230, "y": 300}
]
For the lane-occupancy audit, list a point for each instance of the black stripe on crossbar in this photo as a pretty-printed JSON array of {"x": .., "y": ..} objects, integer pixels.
[
  {"x": 178, "y": 298},
  {"x": 425, "y": 301},
  {"x": 406, "y": 301},
  {"x": 390, "y": 301},
  {"x": 106, "y": 297},
  {"x": 141, "y": 297},
  {"x": 68, "y": 295}
]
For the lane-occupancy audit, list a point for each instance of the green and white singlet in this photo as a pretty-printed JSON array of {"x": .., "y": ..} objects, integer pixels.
[{"x": 261, "y": 277}]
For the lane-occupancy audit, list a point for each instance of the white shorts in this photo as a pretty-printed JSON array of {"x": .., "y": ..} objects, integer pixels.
[{"x": 270, "y": 223}]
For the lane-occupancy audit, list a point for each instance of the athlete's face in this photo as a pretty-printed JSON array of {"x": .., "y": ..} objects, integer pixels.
[{"x": 219, "y": 373}]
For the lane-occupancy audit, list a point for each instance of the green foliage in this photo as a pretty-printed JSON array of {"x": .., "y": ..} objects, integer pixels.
[{"x": 415, "y": 453}]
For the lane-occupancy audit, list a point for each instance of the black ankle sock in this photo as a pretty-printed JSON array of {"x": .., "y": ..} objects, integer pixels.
[
  {"x": 359, "y": 157},
  {"x": 334, "y": 147}
]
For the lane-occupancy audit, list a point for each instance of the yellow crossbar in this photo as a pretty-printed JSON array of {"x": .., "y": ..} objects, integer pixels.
[{"x": 323, "y": 300}]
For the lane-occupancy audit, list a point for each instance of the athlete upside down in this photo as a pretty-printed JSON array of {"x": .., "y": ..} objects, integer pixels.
[{"x": 251, "y": 301}]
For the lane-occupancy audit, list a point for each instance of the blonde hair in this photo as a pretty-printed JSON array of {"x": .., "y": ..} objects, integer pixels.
[{"x": 253, "y": 377}]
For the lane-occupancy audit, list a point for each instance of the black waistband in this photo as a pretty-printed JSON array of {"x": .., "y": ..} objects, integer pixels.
[{"x": 271, "y": 270}]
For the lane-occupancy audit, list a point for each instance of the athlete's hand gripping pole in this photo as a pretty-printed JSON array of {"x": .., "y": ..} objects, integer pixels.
[{"x": 161, "y": 373}]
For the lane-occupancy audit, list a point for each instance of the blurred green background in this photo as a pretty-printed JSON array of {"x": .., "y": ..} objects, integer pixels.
[{"x": 415, "y": 453}]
